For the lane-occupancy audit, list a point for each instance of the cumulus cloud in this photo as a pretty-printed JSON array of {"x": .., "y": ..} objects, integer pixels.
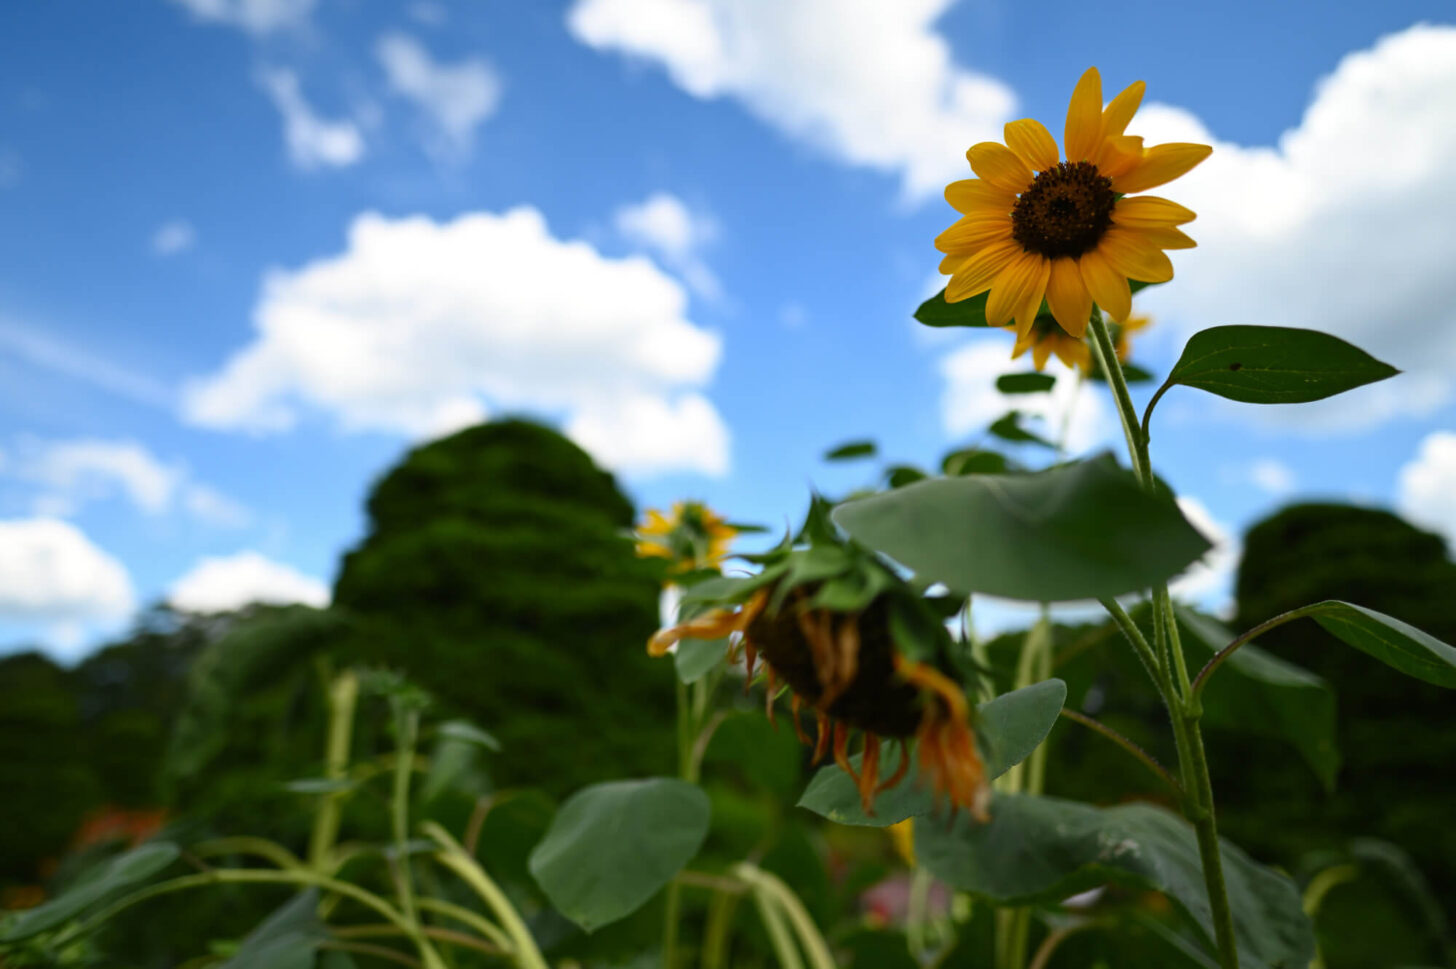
[
  {"x": 313, "y": 142},
  {"x": 454, "y": 99},
  {"x": 1209, "y": 581},
  {"x": 1344, "y": 226},
  {"x": 1426, "y": 491},
  {"x": 876, "y": 87},
  {"x": 50, "y": 572},
  {"x": 1272, "y": 476},
  {"x": 71, "y": 473},
  {"x": 421, "y": 323},
  {"x": 663, "y": 223},
  {"x": 225, "y": 583},
  {"x": 174, "y": 237},
  {"x": 257, "y": 17},
  {"x": 970, "y": 400}
]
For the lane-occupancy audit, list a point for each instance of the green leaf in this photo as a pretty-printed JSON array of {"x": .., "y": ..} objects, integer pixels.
[
  {"x": 903, "y": 474},
  {"x": 612, "y": 846},
  {"x": 1040, "y": 849},
  {"x": 106, "y": 879},
  {"x": 694, "y": 658},
  {"x": 1009, "y": 727},
  {"x": 1131, "y": 372},
  {"x": 1079, "y": 531},
  {"x": 1274, "y": 364},
  {"x": 968, "y": 312},
  {"x": 1394, "y": 643},
  {"x": 320, "y": 785},
  {"x": 1008, "y": 428},
  {"x": 850, "y": 450},
  {"x": 1259, "y": 693},
  {"x": 974, "y": 461},
  {"x": 1025, "y": 383},
  {"x": 467, "y": 732},
  {"x": 287, "y": 939}
]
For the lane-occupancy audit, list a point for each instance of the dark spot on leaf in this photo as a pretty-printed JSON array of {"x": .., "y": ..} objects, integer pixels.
[{"x": 1236, "y": 366}]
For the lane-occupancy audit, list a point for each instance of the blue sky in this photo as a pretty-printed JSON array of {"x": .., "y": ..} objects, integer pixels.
[{"x": 251, "y": 250}]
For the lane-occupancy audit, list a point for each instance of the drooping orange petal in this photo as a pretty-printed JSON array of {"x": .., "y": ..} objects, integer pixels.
[
  {"x": 1135, "y": 257},
  {"x": 1160, "y": 164},
  {"x": 869, "y": 778},
  {"x": 1084, "y": 117},
  {"x": 980, "y": 270},
  {"x": 1119, "y": 154},
  {"x": 1068, "y": 298},
  {"x": 900, "y": 771},
  {"x": 1150, "y": 210},
  {"x": 999, "y": 165},
  {"x": 1011, "y": 286},
  {"x": 1117, "y": 114},
  {"x": 821, "y": 741},
  {"x": 1073, "y": 353},
  {"x": 841, "y": 750},
  {"x": 1107, "y": 286},
  {"x": 971, "y": 195},
  {"x": 974, "y": 231},
  {"x": 1032, "y": 143}
]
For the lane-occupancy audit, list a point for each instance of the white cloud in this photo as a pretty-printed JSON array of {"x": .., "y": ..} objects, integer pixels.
[
  {"x": 867, "y": 82},
  {"x": 71, "y": 473},
  {"x": 1272, "y": 476},
  {"x": 970, "y": 400},
  {"x": 1209, "y": 581},
  {"x": 312, "y": 141},
  {"x": 257, "y": 17},
  {"x": 1345, "y": 226},
  {"x": 419, "y": 324},
  {"x": 663, "y": 223},
  {"x": 41, "y": 350},
  {"x": 225, "y": 583},
  {"x": 454, "y": 98},
  {"x": 50, "y": 572},
  {"x": 174, "y": 237},
  {"x": 1427, "y": 486}
]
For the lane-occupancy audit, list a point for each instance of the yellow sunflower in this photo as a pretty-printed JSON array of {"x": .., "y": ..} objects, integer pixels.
[
  {"x": 693, "y": 536},
  {"x": 1034, "y": 227},
  {"x": 1046, "y": 338}
]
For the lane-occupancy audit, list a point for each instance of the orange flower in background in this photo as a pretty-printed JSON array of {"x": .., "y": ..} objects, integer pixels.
[
  {"x": 692, "y": 537},
  {"x": 1036, "y": 227},
  {"x": 1131, "y": 325},
  {"x": 1046, "y": 338}
]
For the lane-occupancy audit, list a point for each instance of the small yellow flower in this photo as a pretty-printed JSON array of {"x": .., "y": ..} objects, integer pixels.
[
  {"x": 1046, "y": 338},
  {"x": 692, "y": 537},
  {"x": 1131, "y": 325},
  {"x": 1034, "y": 227}
]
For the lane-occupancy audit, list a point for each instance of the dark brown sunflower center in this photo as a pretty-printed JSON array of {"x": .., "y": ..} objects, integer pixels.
[{"x": 1065, "y": 211}]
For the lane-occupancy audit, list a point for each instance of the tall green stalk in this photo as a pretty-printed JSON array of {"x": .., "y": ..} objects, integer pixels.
[
  {"x": 343, "y": 694},
  {"x": 1184, "y": 708}
]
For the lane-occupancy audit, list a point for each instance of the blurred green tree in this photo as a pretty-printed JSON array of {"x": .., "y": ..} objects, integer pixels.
[{"x": 497, "y": 575}]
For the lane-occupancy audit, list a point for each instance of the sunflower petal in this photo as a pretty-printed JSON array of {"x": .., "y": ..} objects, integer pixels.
[
  {"x": 972, "y": 195},
  {"x": 1011, "y": 288},
  {"x": 1166, "y": 237},
  {"x": 1041, "y": 352},
  {"x": 1073, "y": 353},
  {"x": 978, "y": 271},
  {"x": 1117, "y": 114},
  {"x": 1161, "y": 164},
  {"x": 1032, "y": 143},
  {"x": 973, "y": 232},
  {"x": 1135, "y": 257},
  {"x": 1068, "y": 298},
  {"x": 1119, "y": 155},
  {"x": 1084, "y": 117},
  {"x": 1150, "y": 210},
  {"x": 999, "y": 165},
  {"x": 1032, "y": 296},
  {"x": 1107, "y": 286}
]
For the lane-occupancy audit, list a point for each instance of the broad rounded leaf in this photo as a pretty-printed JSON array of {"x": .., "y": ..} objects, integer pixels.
[
  {"x": 1010, "y": 727},
  {"x": 968, "y": 312},
  {"x": 1394, "y": 643},
  {"x": 111, "y": 876},
  {"x": 1274, "y": 364},
  {"x": 1041, "y": 849},
  {"x": 694, "y": 658},
  {"x": 1080, "y": 531},
  {"x": 1025, "y": 383},
  {"x": 612, "y": 846}
]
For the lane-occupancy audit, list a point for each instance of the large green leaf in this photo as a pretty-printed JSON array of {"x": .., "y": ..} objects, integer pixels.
[
  {"x": 106, "y": 879},
  {"x": 1260, "y": 693},
  {"x": 1079, "y": 531},
  {"x": 1039, "y": 849},
  {"x": 1274, "y": 364},
  {"x": 695, "y": 658},
  {"x": 287, "y": 939},
  {"x": 1394, "y": 643},
  {"x": 1010, "y": 727},
  {"x": 612, "y": 846}
]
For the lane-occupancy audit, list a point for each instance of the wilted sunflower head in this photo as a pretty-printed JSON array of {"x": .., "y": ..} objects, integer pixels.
[
  {"x": 691, "y": 537},
  {"x": 857, "y": 645}
]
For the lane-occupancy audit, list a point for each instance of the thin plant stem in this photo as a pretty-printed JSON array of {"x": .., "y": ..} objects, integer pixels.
[
  {"x": 257, "y": 847},
  {"x": 453, "y": 856},
  {"x": 343, "y": 697},
  {"x": 1142, "y": 756},
  {"x": 1199, "y": 804},
  {"x": 917, "y": 913},
  {"x": 721, "y": 909},
  {"x": 773, "y": 895},
  {"x": 465, "y": 916},
  {"x": 407, "y": 722},
  {"x": 1201, "y": 680},
  {"x": 368, "y": 949}
]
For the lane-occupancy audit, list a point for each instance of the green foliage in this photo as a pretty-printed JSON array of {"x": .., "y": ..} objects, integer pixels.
[
  {"x": 287, "y": 939},
  {"x": 105, "y": 881},
  {"x": 1025, "y": 383},
  {"x": 1008, "y": 727},
  {"x": 1044, "y": 849},
  {"x": 1274, "y": 364},
  {"x": 612, "y": 846},
  {"x": 1078, "y": 531},
  {"x": 497, "y": 574},
  {"x": 1008, "y": 428},
  {"x": 850, "y": 450},
  {"x": 1398, "y": 645}
]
